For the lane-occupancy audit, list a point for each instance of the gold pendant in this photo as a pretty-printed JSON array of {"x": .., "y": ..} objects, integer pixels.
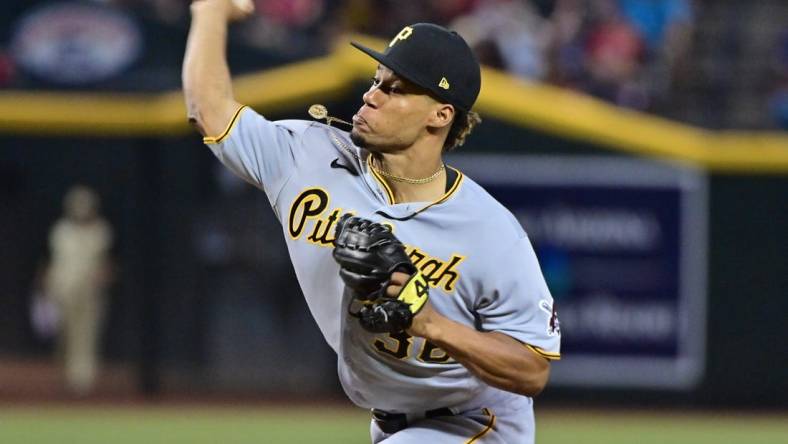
[{"x": 320, "y": 112}]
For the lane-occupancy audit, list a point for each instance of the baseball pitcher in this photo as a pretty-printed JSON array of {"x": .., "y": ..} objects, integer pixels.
[{"x": 426, "y": 287}]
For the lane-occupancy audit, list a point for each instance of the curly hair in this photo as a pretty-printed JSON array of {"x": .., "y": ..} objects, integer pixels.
[{"x": 463, "y": 124}]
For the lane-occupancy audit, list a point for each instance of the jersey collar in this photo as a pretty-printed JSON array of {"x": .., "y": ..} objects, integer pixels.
[{"x": 454, "y": 179}]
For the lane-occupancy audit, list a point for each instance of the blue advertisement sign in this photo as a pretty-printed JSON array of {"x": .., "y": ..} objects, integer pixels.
[{"x": 622, "y": 245}]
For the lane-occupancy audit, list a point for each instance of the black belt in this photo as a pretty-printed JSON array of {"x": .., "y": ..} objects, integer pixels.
[{"x": 394, "y": 422}]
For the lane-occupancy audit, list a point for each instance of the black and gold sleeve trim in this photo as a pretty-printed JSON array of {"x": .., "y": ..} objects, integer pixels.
[
  {"x": 552, "y": 356},
  {"x": 226, "y": 132}
]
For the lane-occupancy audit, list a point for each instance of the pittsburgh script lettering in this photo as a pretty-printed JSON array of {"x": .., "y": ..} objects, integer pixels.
[{"x": 309, "y": 216}]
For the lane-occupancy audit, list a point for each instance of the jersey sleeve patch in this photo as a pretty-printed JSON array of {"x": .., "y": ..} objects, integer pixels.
[{"x": 226, "y": 132}]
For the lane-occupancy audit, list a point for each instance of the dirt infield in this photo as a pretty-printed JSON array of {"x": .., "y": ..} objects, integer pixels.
[{"x": 40, "y": 380}]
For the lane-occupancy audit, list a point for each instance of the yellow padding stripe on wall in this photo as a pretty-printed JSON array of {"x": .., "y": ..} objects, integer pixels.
[
  {"x": 541, "y": 107},
  {"x": 164, "y": 114},
  {"x": 577, "y": 116}
]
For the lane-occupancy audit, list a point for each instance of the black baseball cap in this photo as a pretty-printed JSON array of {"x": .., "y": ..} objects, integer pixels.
[{"x": 434, "y": 58}]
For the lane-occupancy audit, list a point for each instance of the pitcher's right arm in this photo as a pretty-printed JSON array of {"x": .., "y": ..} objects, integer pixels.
[{"x": 207, "y": 85}]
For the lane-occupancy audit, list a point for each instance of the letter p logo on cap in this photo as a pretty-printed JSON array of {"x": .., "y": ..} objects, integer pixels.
[{"x": 403, "y": 35}]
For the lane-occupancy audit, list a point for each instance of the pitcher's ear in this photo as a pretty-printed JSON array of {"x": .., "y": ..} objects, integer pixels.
[{"x": 443, "y": 116}]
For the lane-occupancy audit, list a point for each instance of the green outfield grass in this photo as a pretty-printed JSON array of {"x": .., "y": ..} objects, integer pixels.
[
  {"x": 604, "y": 427},
  {"x": 330, "y": 425}
]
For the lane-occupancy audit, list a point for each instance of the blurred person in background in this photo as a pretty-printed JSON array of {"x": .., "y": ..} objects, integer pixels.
[
  {"x": 665, "y": 28},
  {"x": 627, "y": 52},
  {"x": 565, "y": 53},
  {"x": 664, "y": 25},
  {"x": 76, "y": 280},
  {"x": 291, "y": 29},
  {"x": 778, "y": 98},
  {"x": 7, "y": 69},
  {"x": 614, "y": 53},
  {"x": 381, "y": 17},
  {"x": 508, "y": 34}
]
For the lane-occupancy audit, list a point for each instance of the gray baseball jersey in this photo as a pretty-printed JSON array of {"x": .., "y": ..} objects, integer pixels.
[{"x": 478, "y": 260}]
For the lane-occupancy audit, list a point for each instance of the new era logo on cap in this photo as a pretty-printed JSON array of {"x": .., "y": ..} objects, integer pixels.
[{"x": 429, "y": 55}]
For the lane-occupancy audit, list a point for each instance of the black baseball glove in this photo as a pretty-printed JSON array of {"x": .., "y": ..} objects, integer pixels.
[{"x": 368, "y": 253}]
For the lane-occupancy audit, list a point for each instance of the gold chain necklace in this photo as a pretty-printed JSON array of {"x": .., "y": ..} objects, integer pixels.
[{"x": 410, "y": 180}]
